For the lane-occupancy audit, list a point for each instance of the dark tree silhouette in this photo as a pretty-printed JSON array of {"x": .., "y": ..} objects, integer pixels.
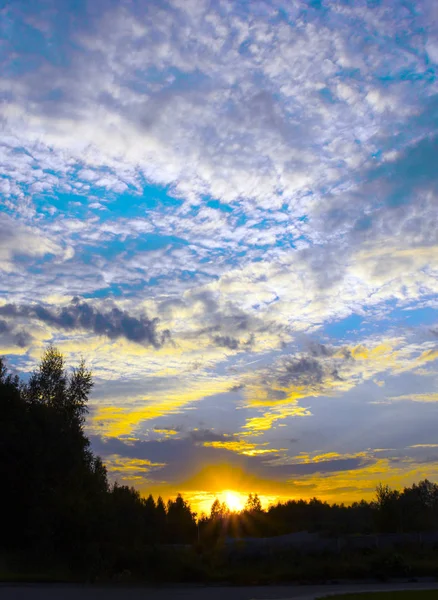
[
  {"x": 161, "y": 519},
  {"x": 55, "y": 486},
  {"x": 181, "y": 521},
  {"x": 219, "y": 510},
  {"x": 253, "y": 504}
]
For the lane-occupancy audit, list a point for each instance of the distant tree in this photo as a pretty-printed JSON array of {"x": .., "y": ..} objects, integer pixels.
[
  {"x": 150, "y": 505},
  {"x": 161, "y": 520},
  {"x": 388, "y": 514},
  {"x": 127, "y": 516},
  {"x": 150, "y": 521},
  {"x": 419, "y": 506},
  {"x": 219, "y": 510},
  {"x": 253, "y": 504},
  {"x": 181, "y": 522},
  {"x": 215, "y": 509},
  {"x": 10, "y": 384}
]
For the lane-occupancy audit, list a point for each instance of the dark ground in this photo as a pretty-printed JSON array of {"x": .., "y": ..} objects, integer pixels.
[{"x": 73, "y": 592}]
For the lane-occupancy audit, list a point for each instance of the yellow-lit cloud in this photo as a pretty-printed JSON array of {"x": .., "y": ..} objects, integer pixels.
[
  {"x": 257, "y": 425},
  {"x": 129, "y": 469},
  {"x": 166, "y": 432},
  {"x": 431, "y": 397},
  {"x": 428, "y": 356},
  {"x": 307, "y": 457},
  {"x": 116, "y": 419},
  {"x": 243, "y": 447}
]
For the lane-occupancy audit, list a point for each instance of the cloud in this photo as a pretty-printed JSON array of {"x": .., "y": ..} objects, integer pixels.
[
  {"x": 185, "y": 459},
  {"x": 206, "y": 436},
  {"x": 18, "y": 241},
  {"x": 79, "y": 314},
  {"x": 230, "y": 442},
  {"x": 179, "y": 108},
  {"x": 301, "y": 371},
  {"x": 226, "y": 341},
  {"x": 263, "y": 139},
  {"x": 264, "y": 422},
  {"x": 284, "y": 390},
  {"x": 130, "y": 469},
  {"x": 10, "y": 335},
  {"x": 311, "y": 372},
  {"x": 217, "y": 321},
  {"x": 431, "y": 397},
  {"x": 243, "y": 447},
  {"x": 122, "y": 408},
  {"x": 167, "y": 430}
]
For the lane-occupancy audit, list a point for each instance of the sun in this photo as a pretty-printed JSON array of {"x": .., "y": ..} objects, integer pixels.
[{"x": 233, "y": 500}]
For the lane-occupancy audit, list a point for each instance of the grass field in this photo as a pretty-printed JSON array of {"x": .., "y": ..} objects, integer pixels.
[{"x": 408, "y": 595}]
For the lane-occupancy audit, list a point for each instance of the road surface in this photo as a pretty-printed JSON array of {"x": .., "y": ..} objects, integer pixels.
[{"x": 72, "y": 592}]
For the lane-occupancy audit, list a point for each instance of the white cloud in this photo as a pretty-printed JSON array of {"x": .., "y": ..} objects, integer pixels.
[
  {"x": 18, "y": 240},
  {"x": 220, "y": 134}
]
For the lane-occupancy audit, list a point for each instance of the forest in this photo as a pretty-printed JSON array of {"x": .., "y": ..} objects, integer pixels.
[{"x": 59, "y": 511}]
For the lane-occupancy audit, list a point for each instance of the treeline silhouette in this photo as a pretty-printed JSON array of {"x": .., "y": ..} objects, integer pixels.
[{"x": 58, "y": 508}]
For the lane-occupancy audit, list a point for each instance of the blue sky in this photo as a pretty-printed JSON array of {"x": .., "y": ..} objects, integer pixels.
[{"x": 231, "y": 210}]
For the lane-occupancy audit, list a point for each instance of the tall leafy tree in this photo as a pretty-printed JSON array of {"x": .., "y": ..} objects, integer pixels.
[
  {"x": 181, "y": 521},
  {"x": 56, "y": 486},
  {"x": 253, "y": 504},
  {"x": 161, "y": 519}
]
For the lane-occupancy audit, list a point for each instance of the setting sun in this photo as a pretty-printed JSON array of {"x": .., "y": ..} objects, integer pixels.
[{"x": 234, "y": 500}]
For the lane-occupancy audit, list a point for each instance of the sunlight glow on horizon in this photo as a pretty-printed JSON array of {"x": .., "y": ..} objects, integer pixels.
[{"x": 234, "y": 500}]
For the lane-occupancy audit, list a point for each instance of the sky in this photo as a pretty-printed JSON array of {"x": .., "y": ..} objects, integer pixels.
[{"x": 230, "y": 209}]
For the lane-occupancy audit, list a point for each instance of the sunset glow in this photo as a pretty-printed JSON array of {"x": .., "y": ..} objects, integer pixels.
[{"x": 233, "y": 500}]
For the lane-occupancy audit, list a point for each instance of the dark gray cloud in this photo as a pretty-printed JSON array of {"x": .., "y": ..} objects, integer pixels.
[
  {"x": 18, "y": 337},
  {"x": 207, "y": 435},
  {"x": 232, "y": 343},
  {"x": 277, "y": 395},
  {"x": 4, "y": 327},
  {"x": 223, "y": 325},
  {"x": 226, "y": 341},
  {"x": 318, "y": 350},
  {"x": 237, "y": 387},
  {"x": 305, "y": 371},
  {"x": 79, "y": 314},
  {"x": 312, "y": 369}
]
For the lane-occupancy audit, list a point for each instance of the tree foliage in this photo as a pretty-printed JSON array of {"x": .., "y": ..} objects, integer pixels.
[
  {"x": 219, "y": 510},
  {"x": 253, "y": 504}
]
